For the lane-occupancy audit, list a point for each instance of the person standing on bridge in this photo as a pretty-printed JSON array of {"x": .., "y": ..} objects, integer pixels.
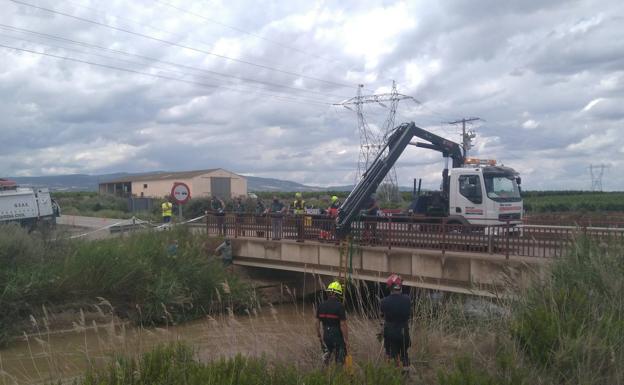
[
  {"x": 167, "y": 210},
  {"x": 217, "y": 207},
  {"x": 396, "y": 309},
  {"x": 276, "y": 211},
  {"x": 298, "y": 208},
  {"x": 333, "y": 207},
  {"x": 240, "y": 209},
  {"x": 332, "y": 318}
]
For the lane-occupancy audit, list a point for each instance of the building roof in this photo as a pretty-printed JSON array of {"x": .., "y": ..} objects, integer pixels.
[
  {"x": 163, "y": 176},
  {"x": 5, "y": 183}
]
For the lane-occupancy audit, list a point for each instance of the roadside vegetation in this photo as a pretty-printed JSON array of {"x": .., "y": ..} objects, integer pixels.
[
  {"x": 573, "y": 201},
  {"x": 92, "y": 204},
  {"x": 567, "y": 328},
  {"x": 536, "y": 203},
  {"x": 176, "y": 364},
  {"x": 144, "y": 277}
]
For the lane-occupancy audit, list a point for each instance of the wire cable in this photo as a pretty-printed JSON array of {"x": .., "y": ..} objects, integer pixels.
[
  {"x": 152, "y": 59},
  {"x": 250, "y": 88},
  {"x": 210, "y": 20},
  {"x": 174, "y": 44},
  {"x": 280, "y": 97}
]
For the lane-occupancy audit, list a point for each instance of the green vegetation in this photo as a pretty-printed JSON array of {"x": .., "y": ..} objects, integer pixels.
[
  {"x": 573, "y": 201},
  {"x": 92, "y": 204},
  {"x": 566, "y": 329},
  {"x": 143, "y": 276},
  {"x": 175, "y": 364}
]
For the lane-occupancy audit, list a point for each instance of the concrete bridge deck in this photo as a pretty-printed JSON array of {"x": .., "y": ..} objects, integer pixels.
[
  {"x": 482, "y": 260},
  {"x": 461, "y": 272}
]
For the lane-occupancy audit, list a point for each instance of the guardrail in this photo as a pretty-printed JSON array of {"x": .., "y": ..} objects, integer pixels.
[{"x": 422, "y": 233}]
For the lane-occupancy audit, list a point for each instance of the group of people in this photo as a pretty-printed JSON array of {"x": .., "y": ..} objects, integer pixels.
[{"x": 333, "y": 332}]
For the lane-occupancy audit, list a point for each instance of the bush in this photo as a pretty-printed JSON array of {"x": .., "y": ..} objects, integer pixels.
[
  {"x": 573, "y": 323},
  {"x": 139, "y": 275},
  {"x": 174, "y": 364}
]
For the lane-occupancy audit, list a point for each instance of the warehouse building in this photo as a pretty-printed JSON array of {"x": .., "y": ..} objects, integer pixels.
[{"x": 202, "y": 183}]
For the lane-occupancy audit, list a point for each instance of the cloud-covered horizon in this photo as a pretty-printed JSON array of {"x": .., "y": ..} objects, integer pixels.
[{"x": 153, "y": 90}]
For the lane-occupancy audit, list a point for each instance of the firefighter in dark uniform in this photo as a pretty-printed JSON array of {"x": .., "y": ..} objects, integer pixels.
[
  {"x": 396, "y": 310},
  {"x": 332, "y": 319}
]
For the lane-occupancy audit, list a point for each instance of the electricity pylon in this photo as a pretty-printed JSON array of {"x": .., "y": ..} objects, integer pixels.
[
  {"x": 596, "y": 172},
  {"x": 371, "y": 141}
]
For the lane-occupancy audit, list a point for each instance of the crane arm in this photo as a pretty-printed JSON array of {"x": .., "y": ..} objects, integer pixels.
[
  {"x": 386, "y": 158},
  {"x": 374, "y": 175}
]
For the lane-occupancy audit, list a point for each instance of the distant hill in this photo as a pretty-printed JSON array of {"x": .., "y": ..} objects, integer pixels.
[{"x": 84, "y": 182}]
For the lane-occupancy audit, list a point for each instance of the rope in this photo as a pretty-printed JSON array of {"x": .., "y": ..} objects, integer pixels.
[{"x": 135, "y": 221}]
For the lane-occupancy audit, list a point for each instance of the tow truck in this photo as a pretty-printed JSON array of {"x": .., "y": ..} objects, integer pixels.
[
  {"x": 26, "y": 206},
  {"x": 474, "y": 191}
]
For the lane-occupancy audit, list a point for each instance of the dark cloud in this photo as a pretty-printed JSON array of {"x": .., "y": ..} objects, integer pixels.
[{"x": 546, "y": 76}]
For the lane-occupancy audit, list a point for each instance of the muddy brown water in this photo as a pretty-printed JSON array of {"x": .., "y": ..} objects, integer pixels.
[{"x": 283, "y": 333}]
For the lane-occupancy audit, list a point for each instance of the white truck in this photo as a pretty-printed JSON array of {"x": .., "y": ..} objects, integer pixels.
[
  {"x": 27, "y": 206},
  {"x": 474, "y": 192}
]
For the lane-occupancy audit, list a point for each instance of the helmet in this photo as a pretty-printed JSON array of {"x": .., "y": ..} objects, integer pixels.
[
  {"x": 335, "y": 287},
  {"x": 298, "y": 195},
  {"x": 394, "y": 282},
  {"x": 334, "y": 198}
]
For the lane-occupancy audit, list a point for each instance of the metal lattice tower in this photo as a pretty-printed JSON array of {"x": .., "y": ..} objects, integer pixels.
[
  {"x": 371, "y": 140},
  {"x": 596, "y": 172}
]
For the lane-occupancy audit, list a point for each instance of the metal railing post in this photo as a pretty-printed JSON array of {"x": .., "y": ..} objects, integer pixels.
[
  {"x": 507, "y": 241},
  {"x": 389, "y": 237},
  {"x": 443, "y": 236}
]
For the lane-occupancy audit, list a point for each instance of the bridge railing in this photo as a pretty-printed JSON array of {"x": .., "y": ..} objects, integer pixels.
[{"x": 545, "y": 241}]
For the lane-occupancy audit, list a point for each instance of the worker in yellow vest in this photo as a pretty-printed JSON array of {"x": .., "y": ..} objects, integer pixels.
[
  {"x": 167, "y": 209},
  {"x": 298, "y": 205},
  {"x": 298, "y": 208}
]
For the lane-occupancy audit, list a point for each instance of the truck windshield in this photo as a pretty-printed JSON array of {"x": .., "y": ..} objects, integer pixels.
[{"x": 502, "y": 188}]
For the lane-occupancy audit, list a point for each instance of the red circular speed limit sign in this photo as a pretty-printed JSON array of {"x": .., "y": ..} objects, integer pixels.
[{"x": 180, "y": 192}]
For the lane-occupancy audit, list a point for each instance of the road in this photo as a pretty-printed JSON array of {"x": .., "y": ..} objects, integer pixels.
[{"x": 88, "y": 222}]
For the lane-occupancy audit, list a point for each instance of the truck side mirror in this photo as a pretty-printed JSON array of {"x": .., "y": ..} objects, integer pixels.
[{"x": 518, "y": 180}]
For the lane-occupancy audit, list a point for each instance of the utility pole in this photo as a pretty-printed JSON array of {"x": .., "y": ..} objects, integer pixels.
[{"x": 467, "y": 137}]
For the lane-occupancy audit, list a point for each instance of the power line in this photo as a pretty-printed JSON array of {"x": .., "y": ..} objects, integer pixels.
[
  {"x": 280, "y": 97},
  {"x": 99, "y": 47},
  {"x": 171, "y": 43},
  {"x": 210, "y": 20},
  {"x": 250, "y": 88}
]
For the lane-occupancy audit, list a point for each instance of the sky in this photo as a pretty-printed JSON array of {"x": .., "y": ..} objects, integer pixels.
[{"x": 252, "y": 86}]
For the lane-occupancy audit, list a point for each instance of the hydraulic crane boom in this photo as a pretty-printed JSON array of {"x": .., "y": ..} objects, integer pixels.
[{"x": 386, "y": 158}]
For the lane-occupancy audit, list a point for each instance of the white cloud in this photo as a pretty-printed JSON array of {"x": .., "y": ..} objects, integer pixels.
[
  {"x": 546, "y": 77},
  {"x": 530, "y": 124},
  {"x": 592, "y": 104}
]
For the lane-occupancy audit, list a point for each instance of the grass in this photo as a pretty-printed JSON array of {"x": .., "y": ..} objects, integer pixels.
[
  {"x": 573, "y": 201},
  {"x": 175, "y": 364},
  {"x": 566, "y": 328},
  {"x": 139, "y": 275}
]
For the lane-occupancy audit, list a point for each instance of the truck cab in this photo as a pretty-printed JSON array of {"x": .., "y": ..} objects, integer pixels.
[{"x": 483, "y": 193}]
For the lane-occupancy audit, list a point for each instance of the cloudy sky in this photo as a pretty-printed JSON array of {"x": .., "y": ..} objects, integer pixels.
[{"x": 97, "y": 87}]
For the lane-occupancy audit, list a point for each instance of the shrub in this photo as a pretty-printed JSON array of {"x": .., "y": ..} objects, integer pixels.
[
  {"x": 174, "y": 364},
  {"x": 573, "y": 323}
]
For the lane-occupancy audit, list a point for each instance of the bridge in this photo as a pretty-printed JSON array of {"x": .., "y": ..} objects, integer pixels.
[{"x": 431, "y": 254}]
